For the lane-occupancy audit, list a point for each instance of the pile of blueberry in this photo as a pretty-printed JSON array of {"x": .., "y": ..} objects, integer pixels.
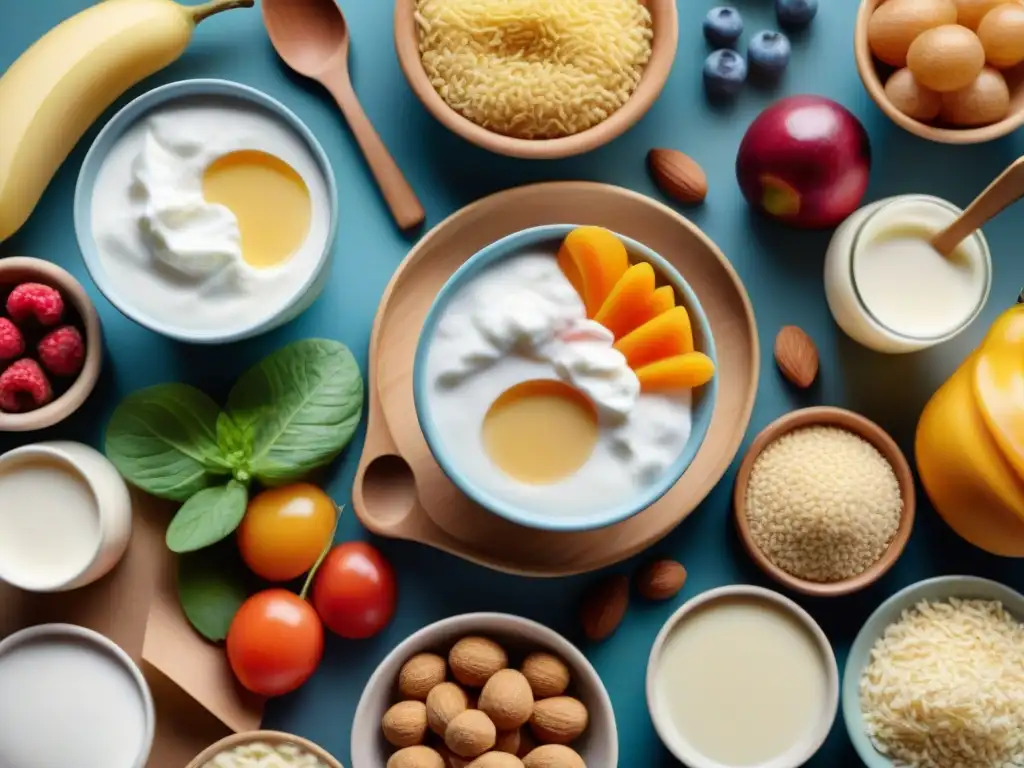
[{"x": 725, "y": 70}]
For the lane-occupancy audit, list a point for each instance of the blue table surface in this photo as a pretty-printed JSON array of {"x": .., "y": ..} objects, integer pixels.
[{"x": 780, "y": 267}]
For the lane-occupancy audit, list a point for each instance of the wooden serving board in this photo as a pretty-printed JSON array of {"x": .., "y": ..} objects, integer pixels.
[{"x": 401, "y": 492}]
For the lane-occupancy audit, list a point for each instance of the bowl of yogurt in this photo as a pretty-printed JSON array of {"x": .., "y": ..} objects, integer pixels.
[
  {"x": 205, "y": 210},
  {"x": 264, "y": 749},
  {"x": 565, "y": 378}
]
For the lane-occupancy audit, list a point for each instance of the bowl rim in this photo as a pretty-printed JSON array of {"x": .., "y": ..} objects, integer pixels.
[
  {"x": 652, "y": 82},
  {"x": 862, "y": 427},
  {"x": 867, "y": 68},
  {"x": 274, "y": 737},
  {"x": 123, "y": 120},
  {"x": 366, "y": 721},
  {"x": 83, "y": 386},
  {"x": 702, "y": 409},
  {"x": 107, "y": 646},
  {"x": 936, "y": 588},
  {"x": 675, "y": 743}
]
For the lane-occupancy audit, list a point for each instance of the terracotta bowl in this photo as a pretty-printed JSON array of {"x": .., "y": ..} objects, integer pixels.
[
  {"x": 665, "y": 20},
  {"x": 266, "y": 737},
  {"x": 21, "y": 269},
  {"x": 874, "y": 434},
  {"x": 874, "y": 73}
]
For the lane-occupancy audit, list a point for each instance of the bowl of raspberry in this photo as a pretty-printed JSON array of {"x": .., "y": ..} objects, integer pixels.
[{"x": 50, "y": 344}]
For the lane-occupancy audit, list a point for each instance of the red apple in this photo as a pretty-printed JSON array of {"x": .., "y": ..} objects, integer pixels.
[{"x": 805, "y": 160}]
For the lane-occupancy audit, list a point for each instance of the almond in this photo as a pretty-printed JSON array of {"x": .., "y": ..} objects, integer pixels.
[
  {"x": 661, "y": 580},
  {"x": 796, "y": 356},
  {"x": 678, "y": 175},
  {"x": 553, "y": 756},
  {"x": 496, "y": 760},
  {"x": 405, "y": 724},
  {"x": 470, "y": 734},
  {"x": 560, "y": 720},
  {"x": 604, "y": 607},
  {"x": 474, "y": 659},
  {"x": 420, "y": 674},
  {"x": 547, "y": 674},
  {"x": 416, "y": 757},
  {"x": 507, "y": 699}
]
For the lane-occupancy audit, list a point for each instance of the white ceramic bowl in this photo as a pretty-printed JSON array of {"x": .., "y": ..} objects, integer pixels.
[
  {"x": 109, "y": 494},
  {"x": 72, "y": 699},
  {"x": 599, "y": 746},
  {"x": 670, "y": 736}
]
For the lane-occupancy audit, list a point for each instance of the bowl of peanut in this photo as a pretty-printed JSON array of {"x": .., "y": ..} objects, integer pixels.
[{"x": 485, "y": 690}]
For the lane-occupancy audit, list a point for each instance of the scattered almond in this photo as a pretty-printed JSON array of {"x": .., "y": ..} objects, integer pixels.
[
  {"x": 553, "y": 756},
  {"x": 507, "y": 699},
  {"x": 496, "y": 760},
  {"x": 547, "y": 674},
  {"x": 444, "y": 703},
  {"x": 661, "y": 580},
  {"x": 416, "y": 757},
  {"x": 604, "y": 607},
  {"x": 560, "y": 720},
  {"x": 796, "y": 356},
  {"x": 470, "y": 734},
  {"x": 405, "y": 724},
  {"x": 509, "y": 741},
  {"x": 678, "y": 175},
  {"x": 474, "y": 659},
  {"x": 421, "y": 673}
]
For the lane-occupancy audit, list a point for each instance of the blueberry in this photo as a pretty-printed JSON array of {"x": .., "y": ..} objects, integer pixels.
[
  {"x": 724, "y": 73},
  {"x": 769, "y": 54},
  {"x": 796, "y": 14},
  {"x": 723, "y": 27}
]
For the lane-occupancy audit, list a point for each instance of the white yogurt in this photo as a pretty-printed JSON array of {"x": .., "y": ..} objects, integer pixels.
[
  {"x": 890, "y": 290},
  {"x": 262, "y": 755},
  {"x": 70, "y": 698},
  {"x": 178, "y": 259},
  {"x": 521, "y": 320}
]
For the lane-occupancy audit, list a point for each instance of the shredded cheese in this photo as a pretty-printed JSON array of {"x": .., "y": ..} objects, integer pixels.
[
  {"x": 534, "y": 69},
  {"x": 945, "y": 687},
  {"x": 260, "y": 755}
]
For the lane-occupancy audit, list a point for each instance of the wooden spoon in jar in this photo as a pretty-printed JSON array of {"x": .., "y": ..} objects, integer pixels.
[
  {"x": 312, "y": 38},
  {"x": 1007, "y": 189}
]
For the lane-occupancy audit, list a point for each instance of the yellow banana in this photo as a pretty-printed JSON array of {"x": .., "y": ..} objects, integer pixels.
[{"x": 55, "y": 90}]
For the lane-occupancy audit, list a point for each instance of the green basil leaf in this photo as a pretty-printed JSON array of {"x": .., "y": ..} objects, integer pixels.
[
  {"x": 235, "y": 446},
  {"x": 211, "y": 590},
  {"x": 297, "y": 409},
  {"x": 211, "y": 515},
  {"x": 164, "y": 440}
]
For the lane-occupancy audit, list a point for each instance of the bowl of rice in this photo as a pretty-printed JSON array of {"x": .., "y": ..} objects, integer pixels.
[
  {"x": 539, "y": 79},
  {"x": 936, "y": 677}
]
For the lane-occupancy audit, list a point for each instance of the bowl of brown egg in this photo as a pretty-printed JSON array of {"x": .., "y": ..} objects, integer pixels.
[
  {"x": 950, "y": 71},
  {"x": 485, "y": 690}
]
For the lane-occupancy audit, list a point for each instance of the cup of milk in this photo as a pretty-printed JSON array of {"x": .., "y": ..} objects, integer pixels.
[
  {"x": 889, "y": 290},
  {"x": 65, "y": 516}
]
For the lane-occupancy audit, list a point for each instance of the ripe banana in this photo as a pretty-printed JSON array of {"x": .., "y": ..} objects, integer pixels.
[{"x": 55, "y": 90}]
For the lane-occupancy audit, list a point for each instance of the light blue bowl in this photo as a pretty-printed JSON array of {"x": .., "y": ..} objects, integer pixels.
[
  {"x": 941, "y": 588},
  {"x": 119, "y": 124},
  {"x": 549, "y": 238}
]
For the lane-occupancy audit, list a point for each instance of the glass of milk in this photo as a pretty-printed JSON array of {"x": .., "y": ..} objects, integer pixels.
[{"x": 890, "y": 290}]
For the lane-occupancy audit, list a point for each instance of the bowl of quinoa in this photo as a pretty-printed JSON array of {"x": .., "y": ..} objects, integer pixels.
[{"x": 824, "y": 501}]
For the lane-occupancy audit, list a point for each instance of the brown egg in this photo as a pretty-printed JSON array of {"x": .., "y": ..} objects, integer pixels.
[
  {"x": 971, "y": 12},
  {"x": 1002, "y": 35},
  {"x": 894, "y": 25},
  {"x": 910, "y": 97},
  {"x": 983, "y": 102},
  {"x": 946, "y": 58}
]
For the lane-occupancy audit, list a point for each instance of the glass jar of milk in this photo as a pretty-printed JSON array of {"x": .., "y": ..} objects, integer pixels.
[{"x": 890, "y": 290}]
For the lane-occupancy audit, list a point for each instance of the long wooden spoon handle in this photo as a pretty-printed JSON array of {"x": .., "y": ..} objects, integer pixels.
[
  {"x": 405, "y": 206},
  {"x": 1007, "y": 189}
]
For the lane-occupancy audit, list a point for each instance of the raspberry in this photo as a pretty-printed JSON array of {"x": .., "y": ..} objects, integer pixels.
[
  {"x": 12, "y": 343},
  {"x": 24, "y": 387},
  {"x": 36, "y": 300},
  {"x": 62, "y": 351}
]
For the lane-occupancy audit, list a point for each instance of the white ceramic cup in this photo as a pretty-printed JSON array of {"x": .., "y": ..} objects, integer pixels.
[{"x": 112, "y": 504}]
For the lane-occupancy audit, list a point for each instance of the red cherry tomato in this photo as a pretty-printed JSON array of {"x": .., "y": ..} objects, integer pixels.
[
  {"x": 275, "y": 642},
  {"x": 354, "y": 591}
]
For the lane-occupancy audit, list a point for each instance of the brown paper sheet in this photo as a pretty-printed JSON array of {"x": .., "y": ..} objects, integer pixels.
[{"x": 188, "y": 676}]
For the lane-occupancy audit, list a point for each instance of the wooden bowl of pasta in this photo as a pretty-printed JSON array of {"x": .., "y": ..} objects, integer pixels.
[{"x": 522, "y": 85}]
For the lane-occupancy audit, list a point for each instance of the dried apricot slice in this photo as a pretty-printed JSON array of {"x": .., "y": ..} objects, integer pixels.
[
  {"x": 662, "y": 300},
  {"x": 628, "y": 305},
  {"x": 593, "y": 259},
  {"x": 667, "y": 335},
  {"x": 694, "y": 369}
]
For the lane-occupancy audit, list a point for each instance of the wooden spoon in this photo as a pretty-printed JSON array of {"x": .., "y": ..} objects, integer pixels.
[
  {"x": 1007, "y": 189},
  {"x": 312, "y": 38}
]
